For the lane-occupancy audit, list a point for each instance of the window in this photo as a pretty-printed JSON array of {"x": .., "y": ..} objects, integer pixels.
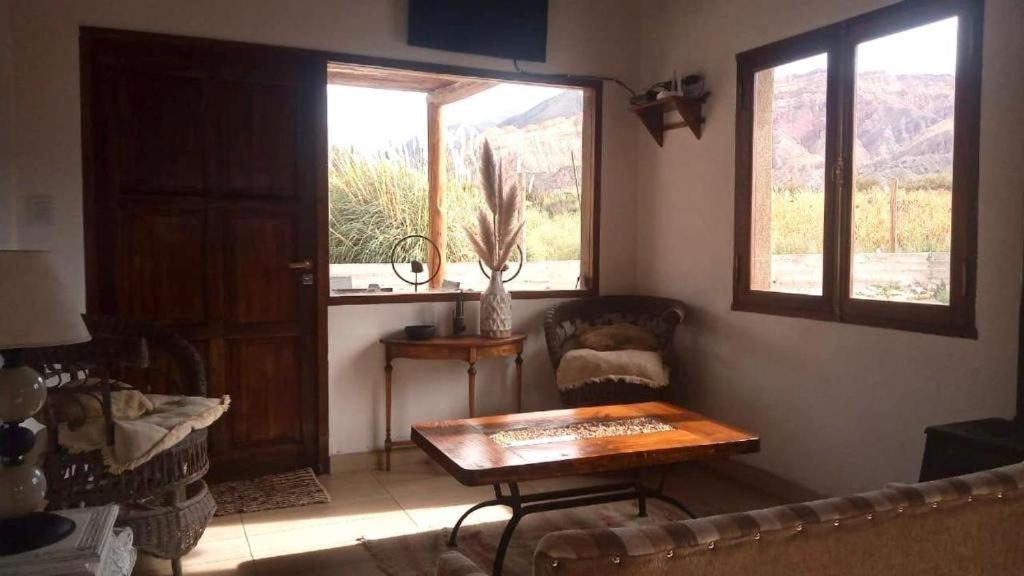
[
  {"x": 404, "y": 160},
  {"x": 856, "y": 170}
]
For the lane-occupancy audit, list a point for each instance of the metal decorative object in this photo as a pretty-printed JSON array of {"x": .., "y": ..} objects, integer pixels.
[{"x": 415, "y": 266}]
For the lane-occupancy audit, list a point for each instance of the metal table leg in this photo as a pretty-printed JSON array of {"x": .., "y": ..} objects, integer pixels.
[{"x": 524, "y": 504}]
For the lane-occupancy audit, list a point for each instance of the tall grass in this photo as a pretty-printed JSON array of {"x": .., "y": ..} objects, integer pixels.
[
  {"x": 376, "y": 201},
  {"x": 923, "y": 219}
]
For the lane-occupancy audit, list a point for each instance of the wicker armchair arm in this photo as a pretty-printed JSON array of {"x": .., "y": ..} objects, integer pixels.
[{"x": 158, "y": 339}]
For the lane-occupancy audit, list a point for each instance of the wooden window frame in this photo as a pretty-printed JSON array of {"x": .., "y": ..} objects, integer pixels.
[
  {"x": 591, "y": 179},
  {"x": 840, "y": 41}
]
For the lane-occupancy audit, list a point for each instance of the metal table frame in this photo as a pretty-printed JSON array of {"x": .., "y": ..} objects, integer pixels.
[{"x": 524, "y": 504}]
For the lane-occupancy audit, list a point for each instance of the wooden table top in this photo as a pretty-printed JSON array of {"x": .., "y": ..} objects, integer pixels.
[
  {"x": 464, "y": 447},
  {"x": 468, "y": 341}
]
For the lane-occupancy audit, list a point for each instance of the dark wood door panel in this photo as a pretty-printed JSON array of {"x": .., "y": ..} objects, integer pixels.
[
  {"x": 259, "y": 145},
  {"x": 160, "y": 271},
  {"x": 258, "y": 250},
  {"x": 204, "y": 165},
  {"x": 162, "y": 129},
  {"x": 266, "y": 406}
]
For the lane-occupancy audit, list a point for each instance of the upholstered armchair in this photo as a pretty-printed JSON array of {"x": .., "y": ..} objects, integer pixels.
[{"x": 565, "y": 322}]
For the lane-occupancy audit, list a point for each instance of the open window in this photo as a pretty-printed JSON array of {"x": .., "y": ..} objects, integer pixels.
[
  {"x": 404, "y": 150},
  {"x": 856, "y": 170}
]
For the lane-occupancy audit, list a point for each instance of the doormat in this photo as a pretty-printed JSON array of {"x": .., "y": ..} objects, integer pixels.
[{"x": 287, "y": 490}]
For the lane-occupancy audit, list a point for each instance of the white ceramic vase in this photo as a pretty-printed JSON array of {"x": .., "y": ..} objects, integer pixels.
[{"x": 496, "y": 309}]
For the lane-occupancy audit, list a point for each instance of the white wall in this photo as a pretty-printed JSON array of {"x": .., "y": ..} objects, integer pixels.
[
  {"x": 596, "y": 37},
  {"x": 839, "y": 407},
  {"x": 424, "y": 390}
]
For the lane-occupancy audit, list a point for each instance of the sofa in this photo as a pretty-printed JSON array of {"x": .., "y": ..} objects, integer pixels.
[{"x": 964, "y": 526}]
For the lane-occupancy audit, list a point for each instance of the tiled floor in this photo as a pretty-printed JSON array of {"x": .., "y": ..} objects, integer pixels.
[{"x": 324, "y": 538}]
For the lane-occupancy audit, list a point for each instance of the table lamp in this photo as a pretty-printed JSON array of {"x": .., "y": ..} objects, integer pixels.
[{"x": 36, "y": 310}]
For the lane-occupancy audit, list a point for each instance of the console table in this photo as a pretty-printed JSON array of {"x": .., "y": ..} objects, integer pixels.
[{"x": 468, "y": 349}]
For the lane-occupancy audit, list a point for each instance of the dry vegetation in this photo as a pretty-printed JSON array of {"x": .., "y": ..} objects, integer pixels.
[
  {"x": 374, "y": 202},
  {"x": 923, "y": 219}
]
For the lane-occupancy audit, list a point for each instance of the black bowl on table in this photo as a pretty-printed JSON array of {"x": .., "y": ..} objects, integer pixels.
[{"x": 420, "y": 331}]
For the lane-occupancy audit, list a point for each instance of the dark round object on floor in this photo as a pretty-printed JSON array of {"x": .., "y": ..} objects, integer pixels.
[
  {"x": 36, "y": 530},
  {"x": 420, "y": 331}
]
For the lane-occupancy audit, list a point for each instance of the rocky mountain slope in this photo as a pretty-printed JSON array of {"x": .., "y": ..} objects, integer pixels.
[{"x": 903, "y": 123}]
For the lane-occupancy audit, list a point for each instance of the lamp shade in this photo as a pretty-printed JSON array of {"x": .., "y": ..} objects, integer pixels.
[{"x": 36, "y": 306}]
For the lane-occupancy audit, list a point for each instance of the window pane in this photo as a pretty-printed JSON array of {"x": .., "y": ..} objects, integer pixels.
[
  {"x": 537, "y": 132},
  {"x": 788, "y": 195},
  {"x": 903, "y": 165},
  {"x": 377, "y": 182}
]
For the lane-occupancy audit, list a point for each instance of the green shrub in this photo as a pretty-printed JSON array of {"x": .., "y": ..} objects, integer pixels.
[{"x": 376, "y": 201}]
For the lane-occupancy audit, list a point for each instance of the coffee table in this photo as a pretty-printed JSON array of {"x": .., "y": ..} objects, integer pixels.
[{"x": 510, "y": 449}]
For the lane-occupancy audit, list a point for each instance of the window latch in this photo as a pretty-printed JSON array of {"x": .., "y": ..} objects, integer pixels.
[{"x": 837, "y": 174}]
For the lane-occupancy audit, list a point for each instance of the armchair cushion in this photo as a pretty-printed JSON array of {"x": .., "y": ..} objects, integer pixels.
[
  {"x": 82, "y": 400},
  {"x": 139, "y": 439},
  {"x": 618, "y": 337},
  {"x": 584, "y": 366}
]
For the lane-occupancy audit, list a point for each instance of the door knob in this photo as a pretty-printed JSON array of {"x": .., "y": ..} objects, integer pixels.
[{"x": 301, "y": 265}]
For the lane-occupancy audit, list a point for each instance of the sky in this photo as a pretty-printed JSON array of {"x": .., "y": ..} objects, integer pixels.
[
  {"x": 369, "y": 119},
  {"x": 928, "y": 49}
]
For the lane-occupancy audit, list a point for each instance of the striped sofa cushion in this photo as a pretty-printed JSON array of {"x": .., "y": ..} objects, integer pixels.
[{"x": 781, "y": 521}]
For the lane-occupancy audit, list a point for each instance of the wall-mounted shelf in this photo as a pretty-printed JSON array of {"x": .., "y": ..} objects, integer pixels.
[{"x": 652, "y": 114}]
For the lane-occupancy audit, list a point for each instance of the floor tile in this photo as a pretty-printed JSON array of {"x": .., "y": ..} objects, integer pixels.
[
  {"x": 318, "y": 515},
  {"x": 289, "y": 542},
  {"x": 353, "y": 560},
  {"x": 224, "y": 528},
  {"x": 213, "y": 551},
  {"x": 415, "y": 471}
]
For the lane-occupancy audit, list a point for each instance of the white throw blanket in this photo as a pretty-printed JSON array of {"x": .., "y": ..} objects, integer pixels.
[
  {"x": 583, "y": 366},
  {"x": 138, "y": 438}
]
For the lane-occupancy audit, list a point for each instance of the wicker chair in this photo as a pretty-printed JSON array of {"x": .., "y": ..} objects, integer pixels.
[
  {"x": 564, "y": 323},
  {"x": 165, "y": 501}
]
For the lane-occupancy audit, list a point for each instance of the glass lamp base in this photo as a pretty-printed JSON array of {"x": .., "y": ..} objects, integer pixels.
[{"x": 27, "y": 533}]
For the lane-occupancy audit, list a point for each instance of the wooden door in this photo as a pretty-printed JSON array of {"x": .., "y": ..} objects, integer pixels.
[{"x": 203, "y": 168}]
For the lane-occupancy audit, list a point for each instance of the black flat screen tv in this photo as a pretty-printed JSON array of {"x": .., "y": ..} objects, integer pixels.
[{"x": 516, "y": 29}]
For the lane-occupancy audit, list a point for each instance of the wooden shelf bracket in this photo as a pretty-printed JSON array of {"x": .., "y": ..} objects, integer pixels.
[{"x": 652, "y": 114}]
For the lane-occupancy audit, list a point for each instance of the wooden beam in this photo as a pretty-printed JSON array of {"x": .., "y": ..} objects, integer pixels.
[
  {"x": 458, "y": 91},
  {"x": 385, "y": 79},
  {"x": 588, "y": 253},
  {"x": 761, "y": 195},
  {"x": 435, "y": 195}
]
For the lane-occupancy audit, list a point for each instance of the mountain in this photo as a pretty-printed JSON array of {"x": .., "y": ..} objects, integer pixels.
[
  {"x": 903, "y": 126},
  {"x": 544, "y": 142},
  {"x": 565, "y": 104}
]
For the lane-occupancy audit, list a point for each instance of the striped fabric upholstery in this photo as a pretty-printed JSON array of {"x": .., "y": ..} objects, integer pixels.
[{"x": 666, "y": 539}]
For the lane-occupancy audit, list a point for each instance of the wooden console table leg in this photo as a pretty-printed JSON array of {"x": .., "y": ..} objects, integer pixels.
[
  {"x": 519, "y": 381},
  {"x": 387, "y": 417},
  {"x": 472, "y": 389}
]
